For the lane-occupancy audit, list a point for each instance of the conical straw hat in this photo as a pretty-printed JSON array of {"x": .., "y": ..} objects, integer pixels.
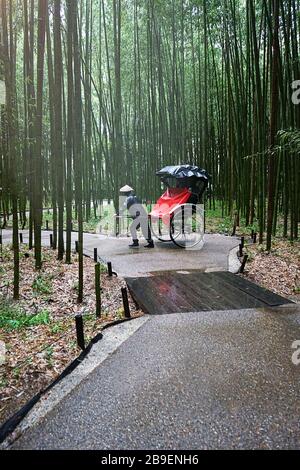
[{"x": 126, "y": 189}]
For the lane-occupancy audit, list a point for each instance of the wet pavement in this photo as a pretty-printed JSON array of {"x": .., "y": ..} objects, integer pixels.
[
  {"x": 139, "y": 262},
  {"x": 205, "y": 380},
  {"x": 214, "y": 380}
]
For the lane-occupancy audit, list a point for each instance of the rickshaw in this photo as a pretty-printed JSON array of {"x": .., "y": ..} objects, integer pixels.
[{"x": 178, "y": 215}]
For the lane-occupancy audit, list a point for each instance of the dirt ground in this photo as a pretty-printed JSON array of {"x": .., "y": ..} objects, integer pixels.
[
  {"x": 279, "y": 270},
  {"x": 39, "y": 330}
]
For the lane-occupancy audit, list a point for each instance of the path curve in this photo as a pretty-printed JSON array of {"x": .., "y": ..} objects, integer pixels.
[{"x": 214, "y": 256}]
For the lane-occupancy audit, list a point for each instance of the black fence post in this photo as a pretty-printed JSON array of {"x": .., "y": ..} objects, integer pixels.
[
  {"x": 1, "y": 240},
  {"x": 117, "y": 225},
  {"x": 77, "y": 247},
  {"x": 96, "y": 255},
  {"x": 243, "y": 242},
  {"x": 80, "y": 331},
  {"x": 98, "y": 289},
  {"x": 242, "y": 269},
  {"x": 254, "y": 238},
  {"x": 241, "y": 251},
  {"x": 51, "y": 240},
  {"x": 126, "y": 303},
  {"x": 47, "y": 225},
  {"x": 109, "y": 268},
  {"x": 21, "y": 238}
]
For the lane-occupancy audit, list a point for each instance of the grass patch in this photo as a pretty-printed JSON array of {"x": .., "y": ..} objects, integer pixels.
[
  {"x": 88, "y": 225},
  {"x": 3, "y": 382},
  {"x": 57, "y": 328},
  {"x": 120, "y": 313},
  {"x": 217, "y": 221},
  {"x": 13, "y": 318},
  {"x": 103, "y": 269},
  {"x": 42, "y": 285}
]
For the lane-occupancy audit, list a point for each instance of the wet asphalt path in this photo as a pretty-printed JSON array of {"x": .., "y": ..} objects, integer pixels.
[
  {"x": 184, "y": 381},
  {"x": 140, "y": 262},
  {"x": 217, "y": 380}
]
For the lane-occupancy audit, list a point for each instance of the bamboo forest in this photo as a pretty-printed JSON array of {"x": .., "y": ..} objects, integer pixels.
[
  {"x": 100, "y": 93},
  {"x": 174, "y": 123}
]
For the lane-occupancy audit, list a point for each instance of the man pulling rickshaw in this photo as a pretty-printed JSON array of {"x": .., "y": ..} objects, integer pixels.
[
  {"x": 178, "y": 215},
  {"x": 140, "y": 218}
]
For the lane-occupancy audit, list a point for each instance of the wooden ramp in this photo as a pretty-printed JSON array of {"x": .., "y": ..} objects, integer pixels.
[{"x": 174, "y": 292}]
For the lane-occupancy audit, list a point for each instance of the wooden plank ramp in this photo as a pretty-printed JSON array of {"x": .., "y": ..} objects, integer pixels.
[{"x": 174, "y": 292}]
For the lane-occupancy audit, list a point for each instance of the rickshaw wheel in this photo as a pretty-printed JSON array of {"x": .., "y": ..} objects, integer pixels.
[
  {"x": 187, "y": 227},
  {"x": 157, "y": 229}
]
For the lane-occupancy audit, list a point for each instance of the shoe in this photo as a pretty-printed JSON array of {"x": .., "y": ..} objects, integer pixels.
[
  {"x": 135, "y": 244},
  {"x": 150, "y": 245}
]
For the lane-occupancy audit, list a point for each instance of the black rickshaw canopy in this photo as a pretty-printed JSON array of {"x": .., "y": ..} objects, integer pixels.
[{"x": 183, "y": 172}]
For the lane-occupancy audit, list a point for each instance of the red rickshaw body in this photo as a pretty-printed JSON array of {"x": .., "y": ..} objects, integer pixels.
[
  {"x": 186, "y": 185},
  {"x": 169, "y": 201}
]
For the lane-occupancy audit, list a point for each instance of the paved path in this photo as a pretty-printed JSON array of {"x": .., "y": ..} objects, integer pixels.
[
  {"x": 198, "y": 381},
  {"x": 193, "y": 381},
  {"x": 213, "y": 257}
]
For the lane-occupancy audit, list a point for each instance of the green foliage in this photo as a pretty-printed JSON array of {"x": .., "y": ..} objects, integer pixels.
[
  {"x": 103, "y": 269},
  {"x": 12, "y": 317},
  {"x": 89, "y": 225},
  {"x": 290, "y": 139},
  {"x": 120, "y": 314},
  {"x": 42, "y": 285},
  {"x": 175, "y": 82},
  {"x": 87, "y": 317},
  {"x": 49, "y": 355},
  {"x": 16, "y": 372},
  {"x": 216, "y": 222},
  {"x": 3, "y": 382},
  {"x": 56, "y": 328},
  {"x": 6, "y": 254},
  {"x": 42, "y": 318}
]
